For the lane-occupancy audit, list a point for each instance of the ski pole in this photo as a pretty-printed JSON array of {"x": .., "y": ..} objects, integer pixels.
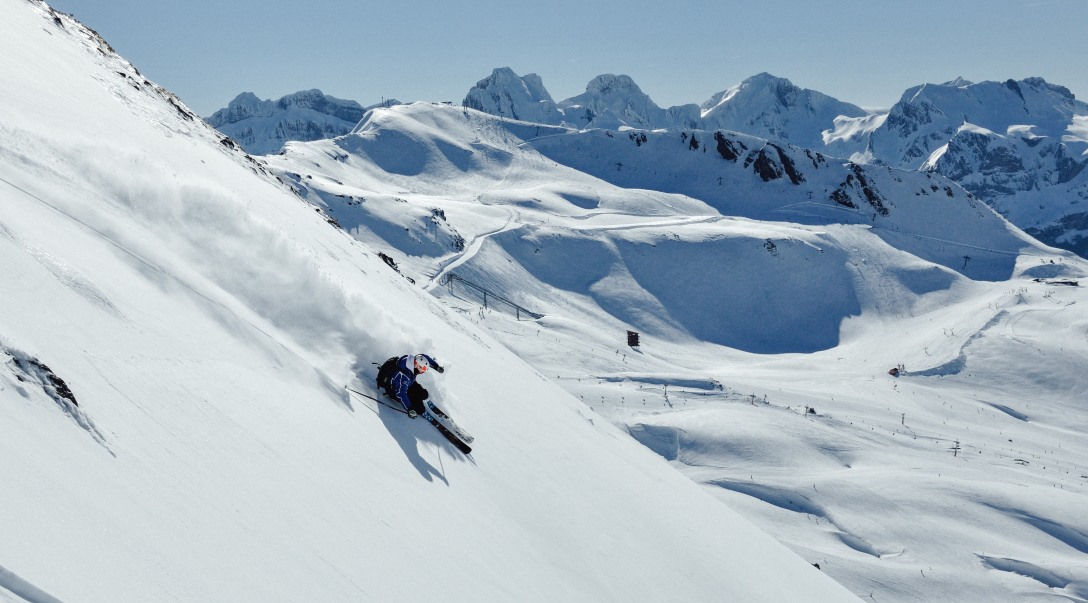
[{"x": 382, "y": 402}]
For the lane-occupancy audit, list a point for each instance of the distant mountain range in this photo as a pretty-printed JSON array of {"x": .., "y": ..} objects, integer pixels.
[
  {"x": 1020, "y": 145},
  {"x": 262, "y": 126}
]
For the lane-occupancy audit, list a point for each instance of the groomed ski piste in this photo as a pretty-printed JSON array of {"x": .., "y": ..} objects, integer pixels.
[{"x": 205, "y": 321}]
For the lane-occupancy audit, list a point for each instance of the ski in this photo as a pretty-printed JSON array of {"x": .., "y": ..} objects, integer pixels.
[
  {"x": 452, "y": 437},
  {"x": 449, "y": 423},
  {"x": 457, "y": 438}
]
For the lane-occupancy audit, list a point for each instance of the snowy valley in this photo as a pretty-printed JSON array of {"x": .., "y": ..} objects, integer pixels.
[{"x": 180, "y": 320}]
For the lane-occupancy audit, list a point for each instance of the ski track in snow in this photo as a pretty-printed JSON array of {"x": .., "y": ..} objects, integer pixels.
[{"x": 470, "y": 251}]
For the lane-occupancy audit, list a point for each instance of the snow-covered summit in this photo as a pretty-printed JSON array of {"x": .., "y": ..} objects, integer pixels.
[
  {"x": 263, "y": 126},
  {"x": 247, "y": 105},
  {"x": 927, "y": 116},
  {"x": 774, "y": 108},
  {"x": 616, "y": 95},
  {"x": 1016, "y": 144},
  {"x": 506, "y": 94},
  {"x": 959, "y": 82},
  {"x": 611, "y": 100}
]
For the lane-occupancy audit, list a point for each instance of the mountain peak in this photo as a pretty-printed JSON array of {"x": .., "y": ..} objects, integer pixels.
[
  {"x": 608, "y": 83},
  {"x": 773, "y": 107},
  {"x": 618, "y": 98},
  {"x": 245, "y": 99},
  {"x": 764, "y": 78},
  {"x": 262, "y": 126},
  {"x": 507, "y": 94},
  {"x": 1039, "y": 83},
  {"x": 535, "y": 85},
  {"x": 959, "y": 82}
]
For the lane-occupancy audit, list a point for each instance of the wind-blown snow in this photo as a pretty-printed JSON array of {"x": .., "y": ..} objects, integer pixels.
[{"x": 1078, "y": 131}]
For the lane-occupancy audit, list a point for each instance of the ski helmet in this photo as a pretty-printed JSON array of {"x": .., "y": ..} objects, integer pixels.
[{"x": 421, "y": 363}]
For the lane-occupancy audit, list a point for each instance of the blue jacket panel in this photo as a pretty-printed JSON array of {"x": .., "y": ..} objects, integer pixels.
[
  {"x": 405, "y": 377},
  {"x": 402, "y": 380}
]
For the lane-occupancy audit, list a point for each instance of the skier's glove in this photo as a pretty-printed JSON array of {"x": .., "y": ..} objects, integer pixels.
[{"x": 439, "y": 369}]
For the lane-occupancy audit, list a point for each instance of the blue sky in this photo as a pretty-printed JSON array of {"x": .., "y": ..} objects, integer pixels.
[{"x": 862, "y": 51}]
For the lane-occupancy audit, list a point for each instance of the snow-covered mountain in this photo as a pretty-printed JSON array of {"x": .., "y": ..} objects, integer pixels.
[
  {"x": 262, "y": 126},
  {"x": 928, "y": 116},
  {"x": 1020, "y": 146},
  {"x": 1036, "y": 181},
  {"x": 506, "y": 94},
  {"x": 610, "y": 101},
  {"x": 774, "y": 108},
  {"x": 763, "y": 105},
  {"x": 176, "y": 332}
]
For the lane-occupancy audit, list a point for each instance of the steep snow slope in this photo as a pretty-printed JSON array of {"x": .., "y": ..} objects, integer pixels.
[
  {"x": 176, "y": 331},
  {"x": 904, "y": 488}
]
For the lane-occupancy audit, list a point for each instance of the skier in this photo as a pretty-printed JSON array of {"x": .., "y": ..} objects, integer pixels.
[{"x": 397, "y": 377}]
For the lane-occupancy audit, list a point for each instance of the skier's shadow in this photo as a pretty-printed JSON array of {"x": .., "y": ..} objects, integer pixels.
[{"x": 408, "y": 434}]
